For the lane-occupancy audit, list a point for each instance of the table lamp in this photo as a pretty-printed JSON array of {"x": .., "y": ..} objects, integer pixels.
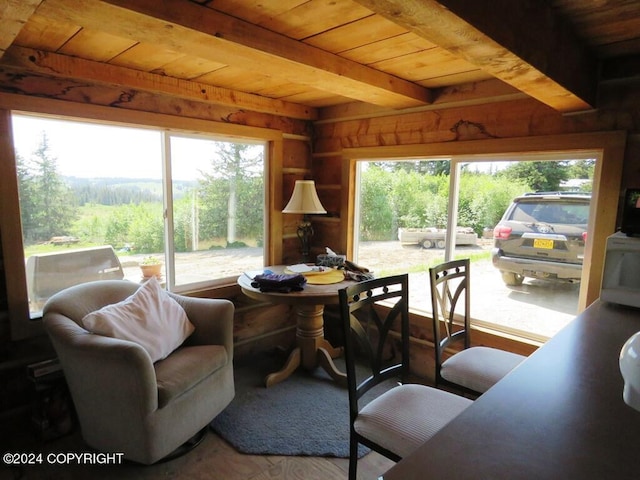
[
  {"x": 304, "y": 200},
  {"x": 630, "y": 369}
]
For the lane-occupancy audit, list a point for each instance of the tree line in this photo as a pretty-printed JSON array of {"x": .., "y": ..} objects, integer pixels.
[
  {"x": 87, "y": 192},
  {"x": 415, "y": 194},
  {"x": 228, "y": 203},
  {"x": 225, "y": 204}
]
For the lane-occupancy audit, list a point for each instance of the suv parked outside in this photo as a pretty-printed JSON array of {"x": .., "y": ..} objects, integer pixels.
[{"x": 542, "y": 235}]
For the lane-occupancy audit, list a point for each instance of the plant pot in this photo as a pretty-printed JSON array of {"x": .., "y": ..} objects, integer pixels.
[{"x": 149, "y": 271}]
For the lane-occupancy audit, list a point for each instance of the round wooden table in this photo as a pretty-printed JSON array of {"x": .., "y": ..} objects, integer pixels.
[{"x": 312, "y": 349}]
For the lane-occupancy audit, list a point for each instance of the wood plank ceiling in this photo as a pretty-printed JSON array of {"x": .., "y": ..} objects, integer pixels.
[{"x": 294, "y": 57}]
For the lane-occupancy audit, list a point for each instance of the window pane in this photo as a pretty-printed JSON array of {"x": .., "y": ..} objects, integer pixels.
[
  {"x": 397, "y": 211},
  {"x": 92, "y": 205},
  {"x": 218, "y": 208},
  {"x": 90, "y": 201},
  {"x": 402, "y": 217}
]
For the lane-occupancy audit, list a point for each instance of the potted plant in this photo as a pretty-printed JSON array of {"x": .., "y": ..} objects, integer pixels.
[{"x": 151, "y": 266}]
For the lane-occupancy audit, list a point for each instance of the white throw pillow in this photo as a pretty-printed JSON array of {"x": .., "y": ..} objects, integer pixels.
[{"x": 149, "y": 317}]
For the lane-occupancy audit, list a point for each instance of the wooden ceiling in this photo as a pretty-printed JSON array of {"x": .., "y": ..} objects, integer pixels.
[{"x": 297, "y": 57}]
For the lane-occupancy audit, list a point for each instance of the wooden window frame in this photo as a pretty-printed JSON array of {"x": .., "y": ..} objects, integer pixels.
[
  {"x": 608, "y": 147},
  {"x": 21, "y": 325}
]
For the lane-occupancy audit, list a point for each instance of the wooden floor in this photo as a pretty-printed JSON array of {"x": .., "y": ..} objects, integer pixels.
[{"x": 212, "y": 459}]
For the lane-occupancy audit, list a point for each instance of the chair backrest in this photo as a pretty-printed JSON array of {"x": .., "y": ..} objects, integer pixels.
[
  {"x": 367, "y": 333},
  {"x": 77, "y": 301},
  {"x": 451, "y": 304}
]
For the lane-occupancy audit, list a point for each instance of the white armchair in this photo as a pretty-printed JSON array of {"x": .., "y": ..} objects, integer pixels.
[{"x": 124, "y": 401}]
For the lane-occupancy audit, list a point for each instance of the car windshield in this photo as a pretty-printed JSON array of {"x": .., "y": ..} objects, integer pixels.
[{"x": 569, "y": 213}]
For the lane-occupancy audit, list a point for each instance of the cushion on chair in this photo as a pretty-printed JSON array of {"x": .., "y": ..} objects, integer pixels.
[
  {"x": 479, "y": 368},
  {"x": 149, "y": 317},
  {"x": 403, "y": 418},
  {"x": 185, "y": 368}
]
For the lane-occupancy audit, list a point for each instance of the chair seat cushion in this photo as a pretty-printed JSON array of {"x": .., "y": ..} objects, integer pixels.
[
  {"x": 479, "y": 368},
  {"x": 404, "y": 417},
  {"x": 185, "y": 368}
]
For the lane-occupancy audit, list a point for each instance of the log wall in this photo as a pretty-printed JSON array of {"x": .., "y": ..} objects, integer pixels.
[
  {"x": 308, "y": 150},
  {"x": 345, "y": 127},
  {"x": 257, "y": 327}
]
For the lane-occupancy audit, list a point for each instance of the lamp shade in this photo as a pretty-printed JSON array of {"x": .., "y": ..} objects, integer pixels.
[
  {"x": 304, "y": 199},
  {"x": 630, "y": 370}
]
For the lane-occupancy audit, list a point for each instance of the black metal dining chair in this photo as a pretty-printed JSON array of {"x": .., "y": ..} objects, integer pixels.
[
  {"x": 375, "y": 320},
  {"x": 473, "y": 369}
]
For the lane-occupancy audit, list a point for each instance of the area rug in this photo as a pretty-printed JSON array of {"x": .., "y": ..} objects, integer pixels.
[{"x": 306, "y": 414}]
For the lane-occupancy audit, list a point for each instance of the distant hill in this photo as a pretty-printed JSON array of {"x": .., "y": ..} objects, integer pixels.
[{"x": 118, "y": 191}]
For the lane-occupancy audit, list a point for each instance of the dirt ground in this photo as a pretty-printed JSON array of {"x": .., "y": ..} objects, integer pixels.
[
  {"x": 381, "y": 256},
  {"x": 538, "y": 307}
]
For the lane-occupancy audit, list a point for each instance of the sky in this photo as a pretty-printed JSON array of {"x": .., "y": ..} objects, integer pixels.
[{"x": 90, "y": 151}]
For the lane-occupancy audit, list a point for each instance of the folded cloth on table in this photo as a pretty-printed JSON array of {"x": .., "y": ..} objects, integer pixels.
[
  {"x": 353, "y": 271},
  {"x": 358, "y": 276},
  {"x": 279, "y": 282},
  {"x": 353, "y": 267}
]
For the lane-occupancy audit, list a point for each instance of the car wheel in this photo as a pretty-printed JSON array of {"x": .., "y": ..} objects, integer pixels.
[
  {"x": 440, "y": 244},
  {"x": 427, "y": 243},
  {"x": 512, "y": 279}
]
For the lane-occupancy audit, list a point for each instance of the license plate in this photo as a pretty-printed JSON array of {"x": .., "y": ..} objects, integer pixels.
[{"x": 542, "y": 243}]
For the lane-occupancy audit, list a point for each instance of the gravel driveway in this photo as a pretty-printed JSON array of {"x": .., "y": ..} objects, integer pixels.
[{"x": 540, "y": 308}]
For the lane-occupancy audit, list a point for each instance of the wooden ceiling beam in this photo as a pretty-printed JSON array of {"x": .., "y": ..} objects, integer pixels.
[
  {"x": 63, "y": 66},
  {"x": 14, "y": 14},
  {"x": 193, "y": 29},
  {"x": 523, "y": 43},
  {"x": 457, "y": 96}
]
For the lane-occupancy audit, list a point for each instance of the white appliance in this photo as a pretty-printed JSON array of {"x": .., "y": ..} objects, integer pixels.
[{"x": 621, "y": 276}]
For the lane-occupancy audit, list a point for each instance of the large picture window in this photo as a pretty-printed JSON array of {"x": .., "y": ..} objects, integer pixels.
[
  {"x": 100, "y": 201},
  {"x": 407, "y": 209}
]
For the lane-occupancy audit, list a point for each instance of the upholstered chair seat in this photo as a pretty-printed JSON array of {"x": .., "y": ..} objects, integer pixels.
[
  {"x": 479, "y": 368},
  {"x": 424, "y": 411}
]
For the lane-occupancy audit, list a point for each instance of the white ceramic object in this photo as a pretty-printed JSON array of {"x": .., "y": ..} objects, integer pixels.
[{"x": 630, "y": 369}]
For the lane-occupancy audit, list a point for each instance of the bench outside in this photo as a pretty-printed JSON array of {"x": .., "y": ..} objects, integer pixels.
[{"x": 50, "y": 273}]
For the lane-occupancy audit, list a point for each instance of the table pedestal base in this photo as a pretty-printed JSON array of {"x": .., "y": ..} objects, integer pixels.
[{"x": 312, "y": 349}]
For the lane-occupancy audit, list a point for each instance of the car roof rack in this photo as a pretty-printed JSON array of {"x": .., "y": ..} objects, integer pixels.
[{"x": 572, "y": 192}]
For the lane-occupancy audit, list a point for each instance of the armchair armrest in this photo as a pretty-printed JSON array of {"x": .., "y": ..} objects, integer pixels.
[
  {"x": 213, "y": 319},
  {"x": 92, "y": 361}
]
